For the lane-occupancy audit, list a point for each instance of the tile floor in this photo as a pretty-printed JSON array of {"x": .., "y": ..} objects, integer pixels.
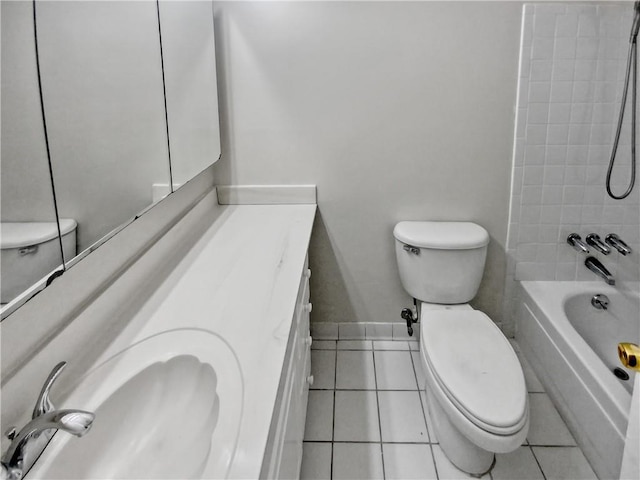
[{"x": 367, "y": 419}]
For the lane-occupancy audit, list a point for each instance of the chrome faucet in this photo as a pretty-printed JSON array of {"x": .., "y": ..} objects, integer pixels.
[
  {"x": 27, "y": 445},
  {"x": 615, "y": 241},
  {"x": 596, "y": 267},
  {"x": 576, "y": 242},
  {"x": 593, "y": 240}
]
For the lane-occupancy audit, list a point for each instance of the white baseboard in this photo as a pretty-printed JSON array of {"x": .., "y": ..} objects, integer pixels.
[{"x": 363, "y": 331}]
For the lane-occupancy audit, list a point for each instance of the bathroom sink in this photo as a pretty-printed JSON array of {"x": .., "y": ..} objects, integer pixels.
[{"x": 169, "y": 406}]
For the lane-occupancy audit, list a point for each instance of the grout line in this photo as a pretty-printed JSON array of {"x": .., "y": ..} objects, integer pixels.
[
  {"x": 537, "y": 462},
  {"x": 424, "y": 415},
  {"x": 375, "y": 378},
  {"x": 368, "y": 441},
  {"x": 367, "y": 389},
  {"x": 333, "y": 420}
]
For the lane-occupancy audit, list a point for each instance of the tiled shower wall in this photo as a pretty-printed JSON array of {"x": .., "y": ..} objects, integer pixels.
[{"x": 572, "y": 68}]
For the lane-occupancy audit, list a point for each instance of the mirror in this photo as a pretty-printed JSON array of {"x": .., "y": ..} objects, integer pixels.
[{"x": 129, "y": 104}]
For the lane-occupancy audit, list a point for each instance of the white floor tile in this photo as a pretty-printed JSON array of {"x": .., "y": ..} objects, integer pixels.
[
  {"x": 394, "y": 371},
  {"x": 354, "y": 345},
  {"x": 352, "y": 461},
  {"x": 401, "y": 418},
  {"x": 417, "y": 364},
  {"x": 433, "y": 438},
  {"x": 390, "y": 345},
  {"x": 356, "y": 417},
  {"x": 546, "y": 425},
  {"x": 355, "y": 370},
  {"x": 323, "y": 344},
  {"x": 319, "y": 426},
  {"x": 414, "y": 345},
  {"x": 408, "y": 461},
  {"x": 323, "y": 369},
  {"x": 316, "y": 461},
  {"x": 517, "y": 465},
  {"x": 563, "y": 463},
  {"x": 447, "y": 470}
]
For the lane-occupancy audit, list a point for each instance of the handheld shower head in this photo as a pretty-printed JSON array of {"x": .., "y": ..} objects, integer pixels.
[{"x": 636, "y": 23}]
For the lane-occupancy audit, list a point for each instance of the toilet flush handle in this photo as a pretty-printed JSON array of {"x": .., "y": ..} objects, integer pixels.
[{"x": 411, "y": 249}]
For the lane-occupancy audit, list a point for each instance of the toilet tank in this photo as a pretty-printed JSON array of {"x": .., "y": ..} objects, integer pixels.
[
  {"x": 30, "y": 251},
  {"x": 441, "y": 262}
]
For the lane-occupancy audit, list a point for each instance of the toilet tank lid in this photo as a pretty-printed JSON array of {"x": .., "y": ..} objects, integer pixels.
[
  {"x": 24, "y": 234},
  {"x": 442, "y": 235}
]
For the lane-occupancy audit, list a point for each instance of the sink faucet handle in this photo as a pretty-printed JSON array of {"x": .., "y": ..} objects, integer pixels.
[
  {"x": 593, "y": 239},
  {"x": 576, "y": 242},
  {"x": 43, "y": 404},
  {"x": 616, "y": 242}
]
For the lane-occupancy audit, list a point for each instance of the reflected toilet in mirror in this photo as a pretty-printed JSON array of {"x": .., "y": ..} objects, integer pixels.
[
  {"x": 111, "y": 146},
  {"x": 31, "y": 252}
]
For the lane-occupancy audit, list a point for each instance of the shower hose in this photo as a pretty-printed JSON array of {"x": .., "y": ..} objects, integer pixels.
[{"x": 632, "y": 64}]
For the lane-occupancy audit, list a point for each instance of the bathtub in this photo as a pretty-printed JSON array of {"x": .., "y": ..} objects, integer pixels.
[{"x": 572, "y": 347}]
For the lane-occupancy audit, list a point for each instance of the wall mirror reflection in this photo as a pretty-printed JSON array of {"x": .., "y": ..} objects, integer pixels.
[{"x": 107, "y": 107}]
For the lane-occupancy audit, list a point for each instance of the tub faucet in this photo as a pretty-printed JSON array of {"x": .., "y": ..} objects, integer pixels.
[
  {"x": 27, "y": 445},
  {"x": 576, "y": 242},
  {"x": 596, "y": 267},
  {"x": 616, "y": 242},
  {"x": 594, "y": 240}
]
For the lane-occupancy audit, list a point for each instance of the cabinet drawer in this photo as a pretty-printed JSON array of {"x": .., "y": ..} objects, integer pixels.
[{"x": 283, "y": 455}]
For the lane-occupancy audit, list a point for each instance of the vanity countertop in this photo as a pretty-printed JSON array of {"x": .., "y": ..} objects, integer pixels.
[{"x": 239, "y": 281}]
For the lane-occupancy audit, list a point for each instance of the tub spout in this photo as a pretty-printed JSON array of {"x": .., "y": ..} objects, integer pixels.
[{"x": 596, "y": 267}]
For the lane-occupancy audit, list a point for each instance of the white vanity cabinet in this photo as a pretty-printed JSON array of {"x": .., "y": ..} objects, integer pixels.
[{"x": 283, "y": 455}]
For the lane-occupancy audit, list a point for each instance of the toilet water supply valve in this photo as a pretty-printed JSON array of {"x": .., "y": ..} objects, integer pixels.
[{"x": 408, "y": 315}]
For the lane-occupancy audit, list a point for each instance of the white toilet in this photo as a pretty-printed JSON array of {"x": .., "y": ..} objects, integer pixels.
[
  {"x": 475, "y": 386},
  {"x": 30, "y": 250}
]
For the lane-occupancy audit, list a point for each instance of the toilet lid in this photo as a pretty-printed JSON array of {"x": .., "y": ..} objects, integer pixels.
[
  {"x": 24, "y": 234},
  {"x": 476, "y": 367}
]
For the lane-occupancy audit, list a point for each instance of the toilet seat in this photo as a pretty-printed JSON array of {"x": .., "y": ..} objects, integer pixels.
[{"x": 476, "y": 369}]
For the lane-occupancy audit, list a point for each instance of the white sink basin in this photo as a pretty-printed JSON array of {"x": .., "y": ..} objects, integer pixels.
[{"x": 169, "y": 406}]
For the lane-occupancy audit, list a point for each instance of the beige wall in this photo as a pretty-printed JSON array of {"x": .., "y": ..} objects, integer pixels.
[{"x": 396, "y": 110}]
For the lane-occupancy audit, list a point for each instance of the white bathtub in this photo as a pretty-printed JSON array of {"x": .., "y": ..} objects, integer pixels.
[{"x": 572, "y": 347}]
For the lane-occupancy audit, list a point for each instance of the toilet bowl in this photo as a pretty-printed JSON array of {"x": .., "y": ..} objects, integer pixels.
[{"x": 475, "y": 387}]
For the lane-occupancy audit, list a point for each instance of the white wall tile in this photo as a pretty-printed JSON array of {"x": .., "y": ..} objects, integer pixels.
[
  {"x": 544, "y": 25},
  {"x": 542, "y": 48},
  {"x": 587, "y": 55},
  {"x": 560, "y": 113},
  {"x": 562, "y": 70},
  {"x": 539, "y": 91},
  {"x": 567, "y": 25},
  {"x": 557, "y": 134},
  {"x": 561, "y": 92},
  {"x": 581, "y": 112},
  {"x": 565, "y": 48},
  {"x": 535, "y": 154}
]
